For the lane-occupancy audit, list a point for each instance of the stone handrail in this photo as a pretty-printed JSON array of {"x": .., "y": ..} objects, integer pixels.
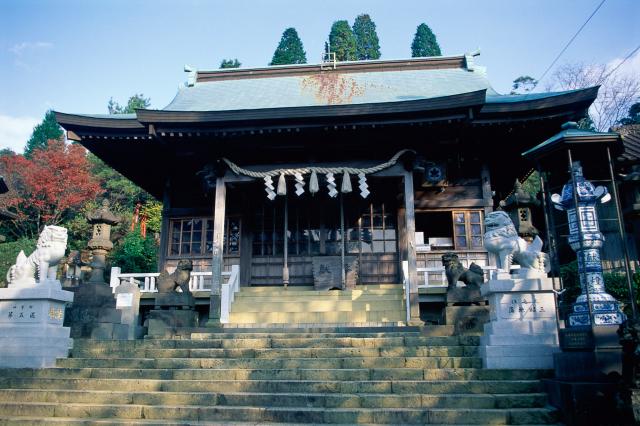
[
  {"x": 147, "y": 281},
  {"x": 228, "y": 292}
]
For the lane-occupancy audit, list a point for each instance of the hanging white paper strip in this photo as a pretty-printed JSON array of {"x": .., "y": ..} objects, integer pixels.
[
  {"x": 331, "y": 185},
  {"x": 313, "y": 183},
  {"x": 364, "y": 188},
  {"x": 268, "y": 186},
  {"x": 282, "y": 185},
  {"x": 346, "y": 183},
  {"x": 299, "y": 184}
]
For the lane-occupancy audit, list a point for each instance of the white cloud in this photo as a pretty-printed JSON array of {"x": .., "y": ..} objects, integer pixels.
[
  {"x": 631, "y": 67},
  {"x": 17, "y": 49},
  {"x": 15, "y": 131}
]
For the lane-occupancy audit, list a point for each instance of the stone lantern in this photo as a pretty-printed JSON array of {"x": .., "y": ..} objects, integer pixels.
[
  {"x": 100, "y": 243},
  {"x": 578, "y": 199},
  {"x": 518, "y": 206}
]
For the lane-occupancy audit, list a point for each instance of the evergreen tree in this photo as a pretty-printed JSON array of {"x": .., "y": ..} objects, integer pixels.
[
  {"x": 342, "y": 42},
  {"x": 367, "y": 43},
  {"x": 424, "y": 42},
  {"x": 230, "y": 63},
  {"x": 137, "y": 101},
  {"x": 42, "y": 133},
  {"x": 289, "y": 50},
  {"x": 523, "y": 84},
  {"x": 633, "y": 116}
]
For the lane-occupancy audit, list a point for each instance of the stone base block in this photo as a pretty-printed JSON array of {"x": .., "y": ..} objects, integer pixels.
[
  {"x": 110, "y": 331},
  {"x": 162, "y": 322},
  {"x": 33, "y": 352},
  {"x": 174, "y": 301},
  {"x": 465, "y": 296},
  {"x": 518, "y": 362},
  {"x": 518, "y": 350},
  {"x": 84, "y": 319},
  {"x": 520, "y": 328},
  {"x": 506, "y": 340},
  {"x": 467, "y": 319},
  {"x": 518, "y": 356}
]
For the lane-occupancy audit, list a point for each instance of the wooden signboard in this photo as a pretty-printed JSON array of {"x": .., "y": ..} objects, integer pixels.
[{"x": 327, "y": 272}]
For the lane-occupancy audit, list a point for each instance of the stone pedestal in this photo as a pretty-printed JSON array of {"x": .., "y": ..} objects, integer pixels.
[
  {"x": 128, "y": 303},
  {"x": 31, "y": 325},
  {"x": 522, "y": 332},
  {"x": 162, "y": 323},
  {"x": 466, "y": 319},
  {"x": 466, "y": 310},
  {"x": 172, "y": 311},
  {"x": 94, "y": 314}
]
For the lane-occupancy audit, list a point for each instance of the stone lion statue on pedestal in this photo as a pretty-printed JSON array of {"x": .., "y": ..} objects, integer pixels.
[
  {"x": 501, "y": 238},
  {"x": 454, "y": 271},
  {"x": 43, "y": 262},
  {"x": 168, "y": 283}
]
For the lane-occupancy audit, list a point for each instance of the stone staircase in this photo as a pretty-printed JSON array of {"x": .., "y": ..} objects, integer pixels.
[
  {"x": 339, "y": 375},
  {"x": 381, "y": 303}
]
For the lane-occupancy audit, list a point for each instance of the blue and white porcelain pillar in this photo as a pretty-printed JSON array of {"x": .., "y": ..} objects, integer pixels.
[{"x": 579, "y": 198}]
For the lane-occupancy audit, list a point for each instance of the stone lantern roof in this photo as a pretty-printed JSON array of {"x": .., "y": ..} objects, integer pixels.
[
  {"x": 519, "y": 198},
  {"x": 103, "y": 215}
]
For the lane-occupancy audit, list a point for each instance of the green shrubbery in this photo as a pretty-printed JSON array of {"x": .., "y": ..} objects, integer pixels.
[
  {"x": 8, "y": 253},
  {"x": 135, "y": 253}
]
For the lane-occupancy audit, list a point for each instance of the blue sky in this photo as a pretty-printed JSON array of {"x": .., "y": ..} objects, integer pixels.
[{"x": 73, "y": 55}]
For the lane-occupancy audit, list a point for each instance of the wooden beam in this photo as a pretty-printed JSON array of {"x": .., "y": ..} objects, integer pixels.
[
  {"x": 164, "y": 230},
  {"x": 218, "y": 245}
]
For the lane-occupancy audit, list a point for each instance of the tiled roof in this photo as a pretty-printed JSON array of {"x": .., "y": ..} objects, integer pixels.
[
  {"x": 631, "y": 141},
  {"x": 327, "y": 88}
]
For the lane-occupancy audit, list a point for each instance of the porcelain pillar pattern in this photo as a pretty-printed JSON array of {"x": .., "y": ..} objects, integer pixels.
[{"x": 586, "y": 240}]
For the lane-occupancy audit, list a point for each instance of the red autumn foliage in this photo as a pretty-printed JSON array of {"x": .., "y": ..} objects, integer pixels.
[{"x": 53, "y": 182}]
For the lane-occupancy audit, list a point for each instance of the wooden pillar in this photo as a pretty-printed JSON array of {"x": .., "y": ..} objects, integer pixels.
[
  {"x": 218, "y": 245},
  {"x": 164, "y": 229},
  {"x": 410, "y": 238},
  {"x": 487, "y": 196}
]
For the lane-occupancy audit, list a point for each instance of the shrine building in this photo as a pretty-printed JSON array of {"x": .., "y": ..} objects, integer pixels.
[{"x": 334, "y": 175}]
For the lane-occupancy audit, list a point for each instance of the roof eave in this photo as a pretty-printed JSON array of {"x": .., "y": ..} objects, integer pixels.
[
  {"x": 550, "y": 146},
  {"x": 465, "y": 100},
  {"x": 587, "y": 95}
]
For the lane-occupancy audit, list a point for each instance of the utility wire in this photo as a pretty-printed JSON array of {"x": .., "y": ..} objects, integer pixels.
[
  {"x": 567, "y": 45},
  {"x": 618, "y": 66}
]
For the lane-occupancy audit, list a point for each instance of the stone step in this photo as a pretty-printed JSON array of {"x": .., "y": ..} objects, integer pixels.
[
  {"x": 203, "y": 341},
  {"x": 279, "y": 386},
  {"x": 338, "y": 374},
  {"x": 525, "y": 400},
  {"x": 274, "y": 363},
  {"x": 297, "y": 306},
  {"x": 328, "y": 317},
  {"x": 386, "y": 295},
  {"x": 239, "y": 334},
  {"x": 269, "y": 353},
  {"x": 339, "y": 329},
  {"x": 311, "y": 289},
  {"x": 344, "y": 330},
  {"x": 36, "y": 421},
  {"x": 285, "y": 414}
]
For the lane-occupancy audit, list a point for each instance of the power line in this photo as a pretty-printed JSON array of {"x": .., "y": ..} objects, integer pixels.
[
  {"x": 568, "y": 43},
  {"x": 618, "y": 66}
]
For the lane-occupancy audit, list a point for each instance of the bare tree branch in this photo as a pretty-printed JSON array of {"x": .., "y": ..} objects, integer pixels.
[{"x": 616, "y": 95}]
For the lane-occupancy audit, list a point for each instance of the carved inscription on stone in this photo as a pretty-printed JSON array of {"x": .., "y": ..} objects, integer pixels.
[{"x": 527, "y": 306}]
